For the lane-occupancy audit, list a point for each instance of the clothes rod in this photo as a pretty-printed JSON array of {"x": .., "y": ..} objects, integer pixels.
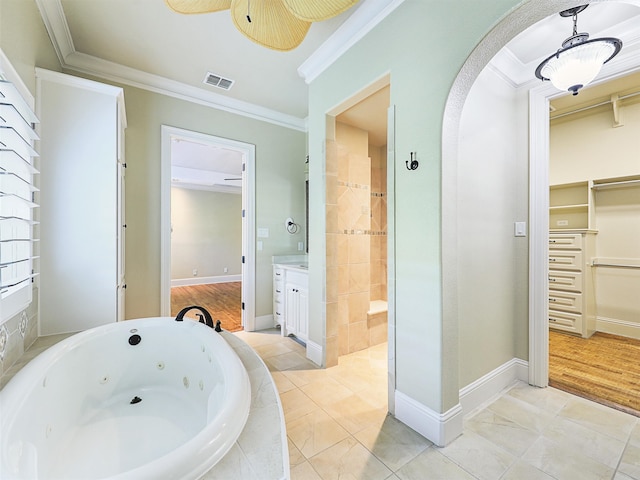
[
  {"x": 626, "y": 183},
  {"x": 606, "y": 102},
  {"x": 614, "y": 265}
]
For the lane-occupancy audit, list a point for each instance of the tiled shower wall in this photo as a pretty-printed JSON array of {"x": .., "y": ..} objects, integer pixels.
[{"x": 356, "y": 241}]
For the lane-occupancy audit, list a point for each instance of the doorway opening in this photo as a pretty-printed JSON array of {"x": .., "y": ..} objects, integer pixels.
[
  {"x": 359, "y": 183},
  {"x": 207, "y": 212}
]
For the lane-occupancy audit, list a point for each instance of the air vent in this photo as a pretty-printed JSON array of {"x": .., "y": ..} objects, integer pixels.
[{"x": 218, "y": 81}]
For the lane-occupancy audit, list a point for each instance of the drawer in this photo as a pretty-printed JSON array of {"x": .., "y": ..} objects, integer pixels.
[
  {"x": 565, "y": 280},
  {"x": 565, "y": 260},
  {"x": 278, "y": 273},
  {"x": 569, "y": 322},
  {"x": 566, "y": 301},
  {"x": 561, "y": 241}
]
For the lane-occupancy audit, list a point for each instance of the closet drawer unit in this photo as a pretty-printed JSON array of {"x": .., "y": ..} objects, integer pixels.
[
  {"x": 565, "y": 260},
  {"x": 569, "y": 281},
  {"x": 561, "y": 241},
  {"x": 569, "y": 322},
  {"x": 278, "y": 295},
  {"x": 565, "y": 301}
]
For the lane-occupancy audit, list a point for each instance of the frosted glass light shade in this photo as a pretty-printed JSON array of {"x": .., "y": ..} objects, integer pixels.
[{"x": 574, "y": 67}]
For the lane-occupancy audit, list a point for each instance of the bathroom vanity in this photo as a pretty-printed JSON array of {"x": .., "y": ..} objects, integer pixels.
[{"x": 291, "y": 295}]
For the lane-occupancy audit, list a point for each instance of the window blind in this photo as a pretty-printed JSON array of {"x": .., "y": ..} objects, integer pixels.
[{"x": 17, "y": 136}]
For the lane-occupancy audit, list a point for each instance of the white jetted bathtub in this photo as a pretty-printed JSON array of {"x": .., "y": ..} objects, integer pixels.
[{"x": 141, "y": 399}]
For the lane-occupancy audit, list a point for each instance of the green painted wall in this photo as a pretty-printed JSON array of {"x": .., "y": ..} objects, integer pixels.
[{"x": 422, "y": 44}]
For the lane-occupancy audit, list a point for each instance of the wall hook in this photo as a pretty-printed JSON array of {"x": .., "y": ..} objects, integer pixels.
[{"x": 413, "y": 164}]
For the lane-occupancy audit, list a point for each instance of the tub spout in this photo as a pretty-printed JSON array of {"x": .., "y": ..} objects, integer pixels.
[{"x": 204, "y": 317}]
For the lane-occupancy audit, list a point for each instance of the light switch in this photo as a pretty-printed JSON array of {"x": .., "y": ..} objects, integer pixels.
[
  {"x": 259, "y": 245},
  {"x": 520, "y": 229},
  {"x": 263, "y": 232}
]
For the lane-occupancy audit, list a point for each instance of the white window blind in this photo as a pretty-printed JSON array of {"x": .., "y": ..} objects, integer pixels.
[{"x": 17, "y": 136}]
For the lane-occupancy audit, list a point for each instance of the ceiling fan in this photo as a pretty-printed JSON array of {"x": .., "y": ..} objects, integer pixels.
[{"x": 275, "y": 24}]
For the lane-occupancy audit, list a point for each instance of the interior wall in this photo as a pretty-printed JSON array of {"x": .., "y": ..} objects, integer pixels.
[
  {"x": 206, "y": 233},
  {"x": 280, "y": 189},
  {"x": 588, "y": 146},
  {"x": 426, "y": 348},
  {"x": 604, "y": 151},
  {"x": 26, "y": 44},
  {"x": 492, "y": 195}
]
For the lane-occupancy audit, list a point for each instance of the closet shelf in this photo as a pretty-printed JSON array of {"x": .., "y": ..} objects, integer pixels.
[{"x": 622, "y": 182}]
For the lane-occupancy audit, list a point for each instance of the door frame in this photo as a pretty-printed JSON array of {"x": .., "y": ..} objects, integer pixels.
[
  {"x": 539, "y": 216},
  {"x": 247, "y": 150}
]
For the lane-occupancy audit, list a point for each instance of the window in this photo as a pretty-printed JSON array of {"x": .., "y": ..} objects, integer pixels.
[{"x": 17, "y": 136}]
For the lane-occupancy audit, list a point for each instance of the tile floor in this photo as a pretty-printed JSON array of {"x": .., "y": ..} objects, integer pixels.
[{"x": 338, "y": 428}]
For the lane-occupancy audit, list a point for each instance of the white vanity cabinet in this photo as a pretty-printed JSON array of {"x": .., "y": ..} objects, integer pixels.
[
  {"x": 291, "y": 300},
  {"x": 571, "y": 289}
]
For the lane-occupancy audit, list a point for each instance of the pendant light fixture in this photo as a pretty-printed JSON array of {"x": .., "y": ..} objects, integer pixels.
[{"x": 579, "y": 60}]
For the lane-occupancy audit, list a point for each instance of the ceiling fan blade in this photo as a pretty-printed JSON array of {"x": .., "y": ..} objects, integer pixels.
[
  {"x": 319, "y": 10},
  {"x": 269, "y": 23},
  {"x": 198, "y": 6}
]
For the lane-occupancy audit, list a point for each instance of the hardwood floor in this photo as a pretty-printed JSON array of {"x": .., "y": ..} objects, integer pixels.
[
  {"x": 604, "y": 368},
  {"x": 222, "y": 300}
]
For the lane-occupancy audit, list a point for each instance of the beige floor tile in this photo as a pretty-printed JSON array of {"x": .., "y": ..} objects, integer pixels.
[
  {"x": 392, "y": 442},
  {"x": 304, "y": 377},
  {"x": 272, "y": 349},
  {"x": 630, "y": 463},
  {"x": 597, "y": 417},
  {"x": 355, "y": 414},
  {"x": 478, "y": 456},
  {"x": 522, "y": 413},
  {"x": 548, "y": 399},
  {"x": 591, "y": 443},
  {"x": 348, "y": 459},
  {"x": 282, "y": 382},
  {"x": 505, "y": 433},
  {"x": 296, "y": 404},
  {"x": 295, "y": 455},
  {"x": 523, "y": 471},
  {"x": 304, "y": 471},
  {"x": 565, "y": 463},
  {"x": 326, "y": 391},
  {"x": 315, "y": 432},
  {"x": 289, "y": 361},
  {"x": 437, "y": 465}
]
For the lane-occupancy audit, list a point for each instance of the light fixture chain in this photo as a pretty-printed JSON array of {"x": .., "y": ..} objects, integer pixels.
[{"x": 575, "y": 23}]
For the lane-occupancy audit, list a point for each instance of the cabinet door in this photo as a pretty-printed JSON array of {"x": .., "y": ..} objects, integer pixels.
[
  {"x": 291, "y": 310},
  {"x": 303, "y": 314}
]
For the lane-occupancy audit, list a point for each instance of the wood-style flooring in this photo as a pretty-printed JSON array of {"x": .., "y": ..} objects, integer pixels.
[
  {"x": 222, "y": 300},
  {"x": 604, "y": 368}
]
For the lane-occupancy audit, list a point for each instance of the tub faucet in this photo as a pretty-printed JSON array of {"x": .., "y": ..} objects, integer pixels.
[{"x": 204, "y": 317}]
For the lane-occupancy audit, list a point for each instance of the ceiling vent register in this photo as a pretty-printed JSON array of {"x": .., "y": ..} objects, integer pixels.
[{"x": 218, "y": 81}]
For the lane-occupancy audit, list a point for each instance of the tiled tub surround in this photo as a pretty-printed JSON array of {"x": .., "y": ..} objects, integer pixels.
[
  {"x": 17, "y": 334},
  {"x": 261, "y": 450}
]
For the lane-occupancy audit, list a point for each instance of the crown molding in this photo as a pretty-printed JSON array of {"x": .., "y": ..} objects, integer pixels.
[
  {"x": 361, "y": 22},
  {"x": 56, "y": 24}
]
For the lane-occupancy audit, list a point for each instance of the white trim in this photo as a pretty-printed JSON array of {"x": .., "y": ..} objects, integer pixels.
[
  {"x": 11, "y": 75},
  {"x": 56, "y": 24},
  {"x": 264, "y": 322},
  {"x": 362, "y": 21},
  {"x": 314, "y": 352},
  {"x": 440, "y": 428},
  {"x": 248, "y": 204},
  {"x": 488, "y": 386},
  {"x": 618, "y": 327},
  {"x": 186, "y": 282},
  {"x": 115, "y": 72}
]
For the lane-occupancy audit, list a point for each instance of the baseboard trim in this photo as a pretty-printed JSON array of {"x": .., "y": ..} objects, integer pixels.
[
  {"x": 187, "y": 282},
  {"x": 440, "y": 428},
  {"x": 264, "y": 322},
  {"x": 618, "y": 327},
  {"x": 488, "y": 386},
  {"x": 314, "y": 352}
]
